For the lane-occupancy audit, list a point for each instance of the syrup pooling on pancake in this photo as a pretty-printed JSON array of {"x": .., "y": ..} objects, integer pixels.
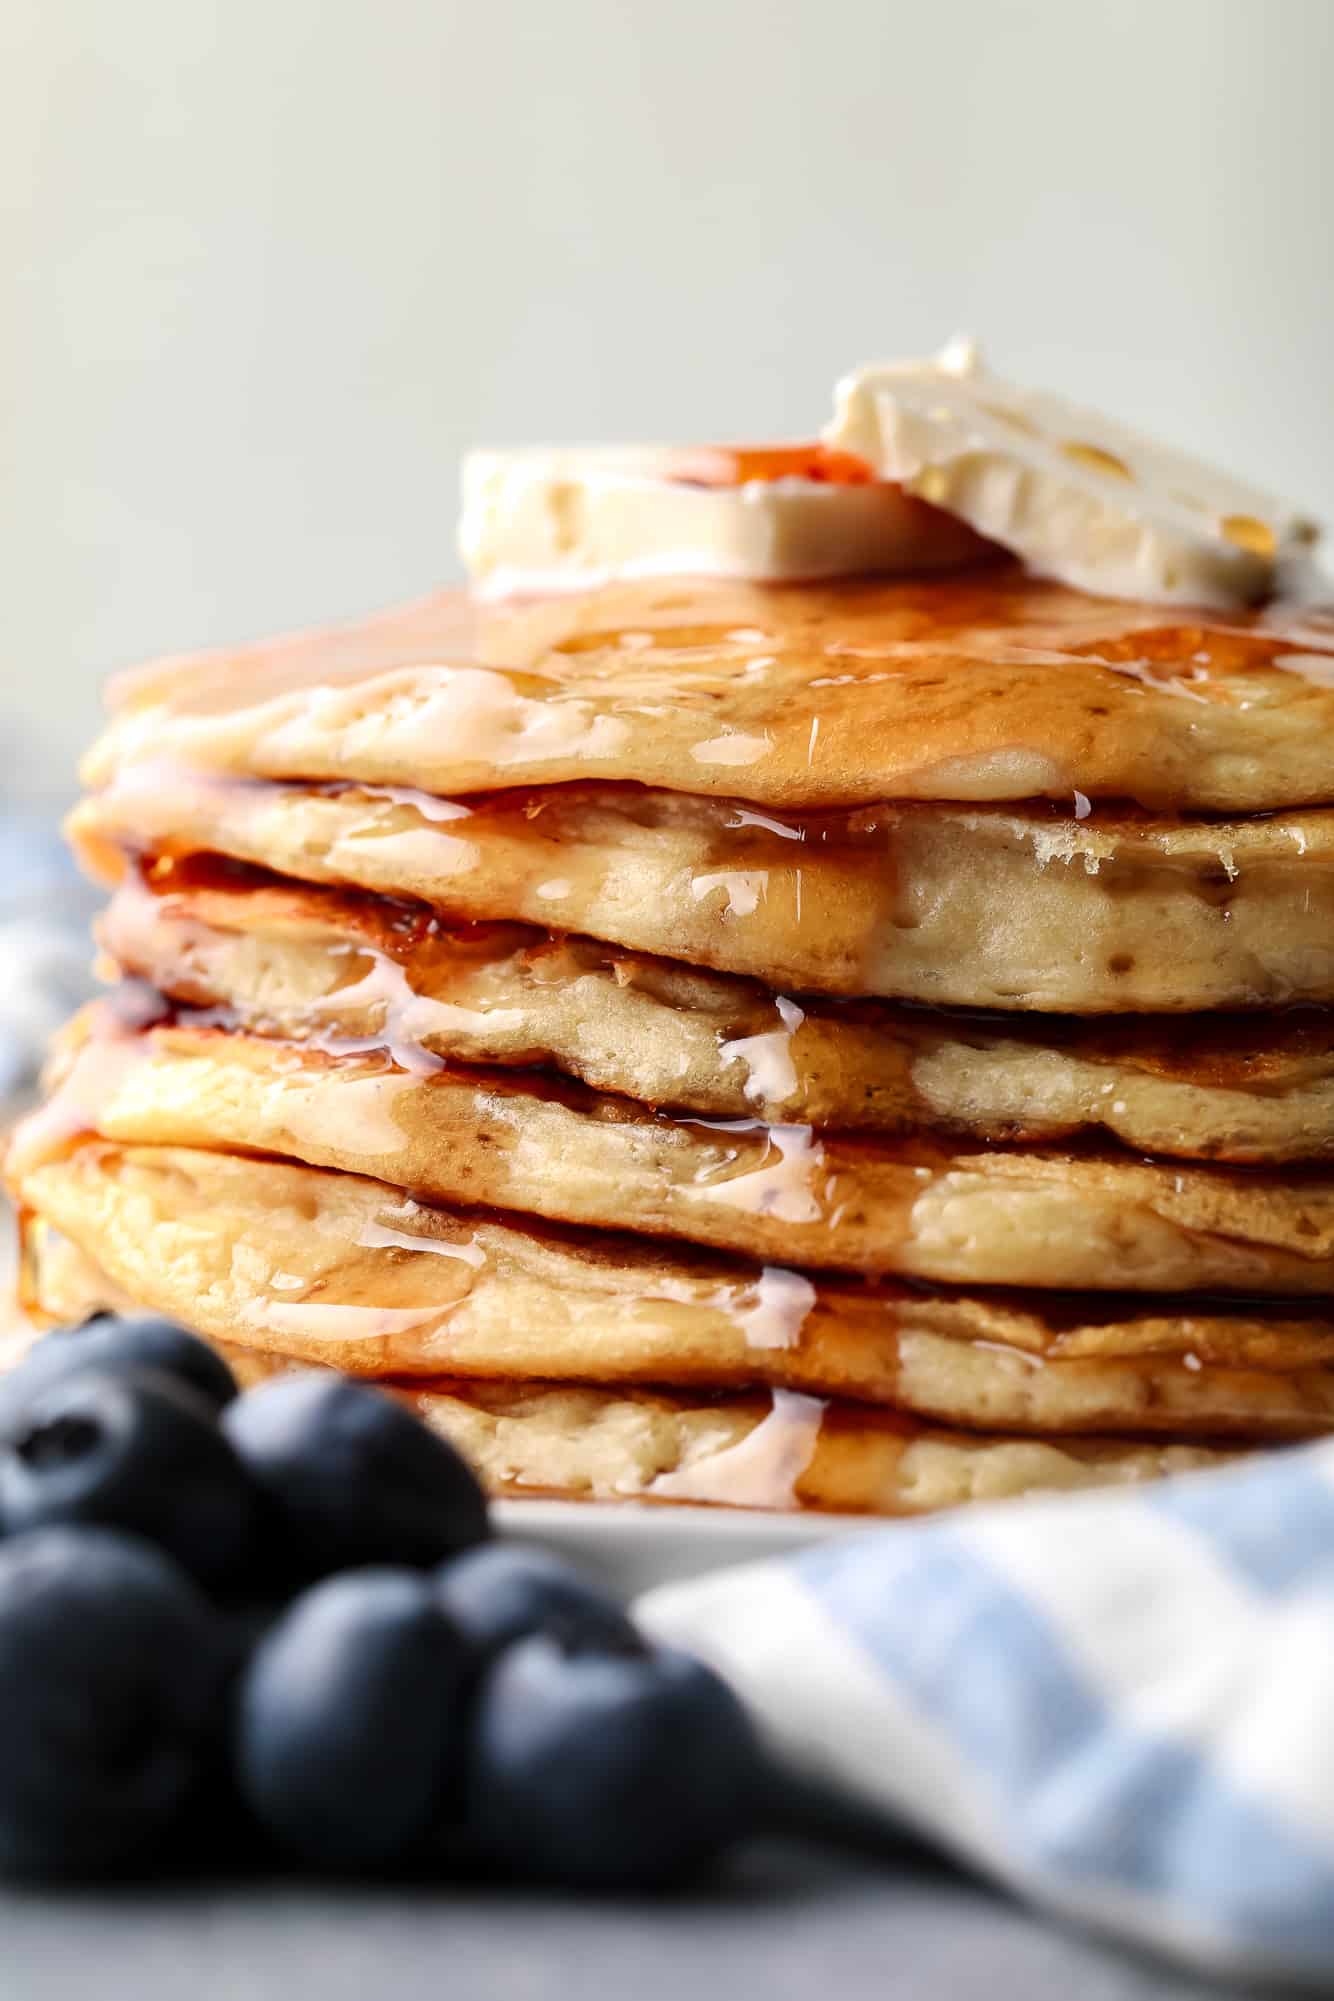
[
  {"x": 365, "y": 998},
  {"x": 988, "y": 688},
  {"x": 951, "y": 905},
  {"x": 788, "y": 1182},
  {"x": 350, "y": 973},
  {"x": 530, "y": 1145}
]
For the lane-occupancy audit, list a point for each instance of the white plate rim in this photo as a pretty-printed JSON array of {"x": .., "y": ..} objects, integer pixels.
[{"x": 633, "y": 1547}]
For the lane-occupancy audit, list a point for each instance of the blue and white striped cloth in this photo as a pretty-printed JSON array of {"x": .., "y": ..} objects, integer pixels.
[{"x": 1119, "y": 1704}]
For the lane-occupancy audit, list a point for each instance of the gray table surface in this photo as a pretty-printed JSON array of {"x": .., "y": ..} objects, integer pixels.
[{"x": 788, "y": 1924}]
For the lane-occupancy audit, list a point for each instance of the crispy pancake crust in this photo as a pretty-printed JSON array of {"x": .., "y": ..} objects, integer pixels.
[
  {"x": 952, "y": 905},
  {"x": 483, "y": 1138},
  {"x": 989, "y": 686},
  {"x": 333, "y": 1269},
  {"x": 319, "y": 965}
]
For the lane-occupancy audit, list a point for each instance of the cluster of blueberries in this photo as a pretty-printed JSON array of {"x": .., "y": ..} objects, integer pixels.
[{"x": 273, "y": 1623}]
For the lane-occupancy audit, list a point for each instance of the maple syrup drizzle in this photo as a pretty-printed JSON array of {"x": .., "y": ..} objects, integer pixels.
[
  {"x": 769, "y": 1311},
  {"x": 380, "y": 1237},
  {"x": 352, "y": 1320},
  {"x": 321, "y": 1320},
  {"x": 772, "y": 1311},
  {"x": 771, "y": 1073},
  {"x": 733, "y": 747},
  {"x": 116, "y": 1042},
  {"x": 483, "y": 714},
  {"x": 359, "y": 1115},
  {"x": 743, "y": 889},
  {"x": 408, "y": 1018},
  {"x": 788, "y": 1183},
  {"x": 379, "y": 985},
  {"x": 738, "y": 465},
  {"x": 762, "y": 1470}
]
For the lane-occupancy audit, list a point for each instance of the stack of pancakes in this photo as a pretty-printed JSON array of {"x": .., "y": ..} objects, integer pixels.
[{"x": 856, "y": 1045}]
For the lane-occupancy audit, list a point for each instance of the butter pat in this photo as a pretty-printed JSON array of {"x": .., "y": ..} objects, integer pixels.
[
  {"x": 540, "y": 520},
  {"x": 1077, "y": 496}
]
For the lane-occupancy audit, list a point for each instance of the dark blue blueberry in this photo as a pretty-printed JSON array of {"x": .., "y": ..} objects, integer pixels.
[
  {"x": 111, "y": 1347},
  {"x": 607, "y": 1770},
  {"x": 350, "y": 1721},
  {"x": 500, "y": 1592},
  {"x": 352, "y": 1477},
  {"x": 112, "y": 1677},
  {"x": 134, "y": 1451}
]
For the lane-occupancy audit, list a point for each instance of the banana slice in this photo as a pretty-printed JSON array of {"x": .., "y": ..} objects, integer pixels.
[
  {"x": 539, "y": 520},
  {"x": 1077, "y": 496}
]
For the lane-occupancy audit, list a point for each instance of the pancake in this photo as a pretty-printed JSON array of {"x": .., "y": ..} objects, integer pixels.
[
  {"x": 994, "y": 1216},
  {"x": 953, "y": 905},
  {"x": 988, "y": 687},
  {"x": 784, "y": 1451},
  {"x": 332, "y": 1269},
  {"x": 337, "y": 969}
]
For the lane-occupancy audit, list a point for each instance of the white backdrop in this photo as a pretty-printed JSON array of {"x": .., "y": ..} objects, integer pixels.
[{"x": 268, "y": 265}]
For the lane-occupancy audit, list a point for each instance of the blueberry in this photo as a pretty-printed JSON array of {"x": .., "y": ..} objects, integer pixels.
[
  {"x": 111, "y": 1347},
  {"x": 501, "y": 1592},
  {"x": 112, "y": 1676},
  {"x": 610, "y": 1770},
  {"x": 352, "y": 1477},
  {"x": 134, "y": 1451},
  {"x": 350, "y": 1720}
]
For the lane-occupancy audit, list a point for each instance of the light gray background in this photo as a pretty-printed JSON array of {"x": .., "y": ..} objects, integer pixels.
[{"x": 268, "y": 266}]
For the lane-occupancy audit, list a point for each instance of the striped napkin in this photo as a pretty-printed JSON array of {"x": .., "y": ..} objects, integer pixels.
[{"x": 1119, "y": 1704}]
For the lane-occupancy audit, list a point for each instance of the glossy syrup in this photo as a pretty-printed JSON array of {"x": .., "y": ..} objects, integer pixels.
[
  {"x": 763, "y": 1469},
  {"x": 985, "y": 686},
  {"x": 113, "y": 1045}
]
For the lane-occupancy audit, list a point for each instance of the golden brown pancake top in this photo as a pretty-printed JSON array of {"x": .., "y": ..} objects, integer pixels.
[{"x": 990, "y": 686}]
